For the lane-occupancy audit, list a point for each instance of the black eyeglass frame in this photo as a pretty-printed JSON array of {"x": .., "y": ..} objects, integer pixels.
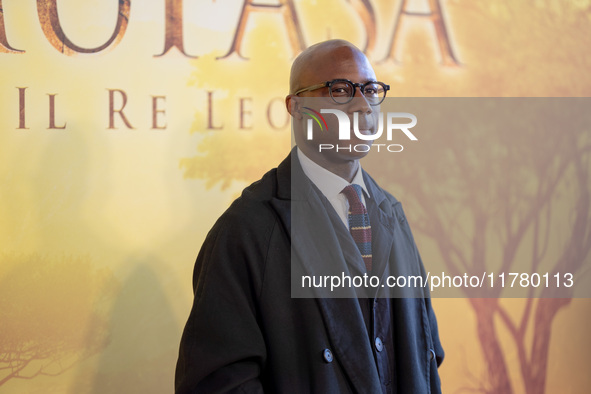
[{"x": 361, "y": 86}]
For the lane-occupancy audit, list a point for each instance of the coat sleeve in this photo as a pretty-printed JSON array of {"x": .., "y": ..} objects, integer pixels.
[
  {"x": 438, "y": 348},
  {"x": 222, "y": 347},
  {"x": 431, "y": 318}
]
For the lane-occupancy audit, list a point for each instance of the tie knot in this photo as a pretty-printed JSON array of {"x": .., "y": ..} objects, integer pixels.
[{"x": 353, "y": 193}]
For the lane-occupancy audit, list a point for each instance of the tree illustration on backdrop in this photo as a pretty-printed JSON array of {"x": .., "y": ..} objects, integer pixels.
[
  {"x": 502, "y": 186},
  {"x": 53, "y": 313}
]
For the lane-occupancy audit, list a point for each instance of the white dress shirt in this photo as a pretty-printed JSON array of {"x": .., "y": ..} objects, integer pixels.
[{"x": 331, "y": 185}]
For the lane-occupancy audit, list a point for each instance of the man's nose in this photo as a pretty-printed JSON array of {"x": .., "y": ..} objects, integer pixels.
[{"x": 360, "y": 103}]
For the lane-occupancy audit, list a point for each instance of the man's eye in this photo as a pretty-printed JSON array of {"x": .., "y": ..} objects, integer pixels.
[
  {"x": 372, "y": 90},
  {"x": 341, "y": 89}
]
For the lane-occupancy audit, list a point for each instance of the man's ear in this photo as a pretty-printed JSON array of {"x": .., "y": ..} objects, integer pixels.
[{"x": 293, "y": 106}]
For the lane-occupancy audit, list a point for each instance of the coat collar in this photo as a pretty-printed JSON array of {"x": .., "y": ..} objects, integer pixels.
[
  {"x": 293, "y": 185},
  {"x": 290, "y": 173}
]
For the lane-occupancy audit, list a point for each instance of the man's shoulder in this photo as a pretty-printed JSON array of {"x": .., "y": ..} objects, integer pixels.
[
  {"x": 238, "y": 242},
  {"x": 253, "y": 207},
  {"x": 261, "y": 209}
]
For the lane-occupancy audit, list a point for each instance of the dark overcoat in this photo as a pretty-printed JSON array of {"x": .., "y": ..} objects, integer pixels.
[{"x": 247, "y": 334}]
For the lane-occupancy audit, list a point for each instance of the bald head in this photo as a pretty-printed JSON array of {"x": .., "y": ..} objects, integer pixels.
[{"x": 319, "y": 62}]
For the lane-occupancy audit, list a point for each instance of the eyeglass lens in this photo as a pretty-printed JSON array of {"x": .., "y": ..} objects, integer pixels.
[{"x": 343, "y": 91}]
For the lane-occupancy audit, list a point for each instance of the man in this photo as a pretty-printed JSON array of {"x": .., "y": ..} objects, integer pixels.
[{"x": 246, "y": 333}]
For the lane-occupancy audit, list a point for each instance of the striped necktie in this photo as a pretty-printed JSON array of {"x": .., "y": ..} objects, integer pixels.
[{"x": 359, "y": 223}]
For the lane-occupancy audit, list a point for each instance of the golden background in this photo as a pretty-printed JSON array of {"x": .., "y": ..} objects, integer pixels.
[{"x": 99, "y": 226}]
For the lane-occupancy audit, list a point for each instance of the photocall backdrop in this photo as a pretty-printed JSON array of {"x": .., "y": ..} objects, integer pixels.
[{"x": 127, "y": 127}]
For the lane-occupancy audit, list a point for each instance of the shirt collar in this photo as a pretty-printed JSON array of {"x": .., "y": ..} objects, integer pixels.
[{"x": 328, "y": 183}]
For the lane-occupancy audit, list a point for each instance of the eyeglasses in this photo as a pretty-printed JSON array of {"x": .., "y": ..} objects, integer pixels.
[{"x": 342, "y": 91}]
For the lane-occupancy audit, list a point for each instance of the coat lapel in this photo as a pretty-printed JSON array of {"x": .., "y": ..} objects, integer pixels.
[
  {"x": 314, "y": 234},
  {"x": 382, "y": 227},
  {"x": 316, "y": 251}
]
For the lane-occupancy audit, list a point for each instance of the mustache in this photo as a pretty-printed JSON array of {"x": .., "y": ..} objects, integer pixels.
[{"x": 363, "y": 122}]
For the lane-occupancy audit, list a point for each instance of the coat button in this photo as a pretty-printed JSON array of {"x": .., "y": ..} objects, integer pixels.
[
  {"x": 327, "y": 355},
  {"x": 431, "y": 354},
  {"x": 379, "y": 344}
]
